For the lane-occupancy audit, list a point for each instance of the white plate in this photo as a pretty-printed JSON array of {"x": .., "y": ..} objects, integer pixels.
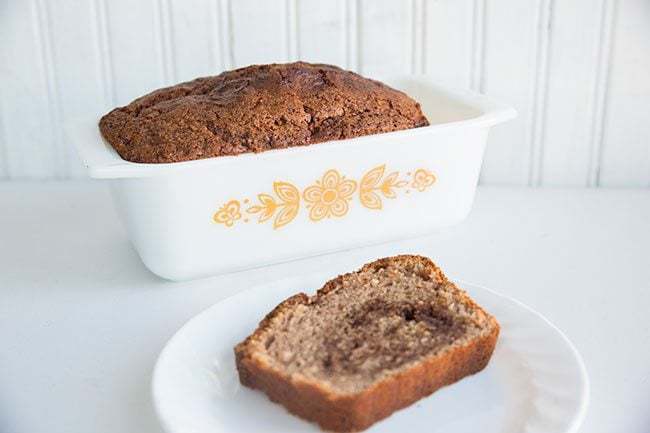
[{"x": 535, "y": 382}]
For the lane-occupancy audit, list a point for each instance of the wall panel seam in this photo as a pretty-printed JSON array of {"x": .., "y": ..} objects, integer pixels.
[
  {"x": 215, "y": 36},
  {"x": 169, "y": 35},
  {"x": 347, "y": 30},
  {"x": 159, "y": 40},
  {"x": 423, "y": 37},
  {"x": 344, "y": 40},
  {"x": 228, "y": 32},
  {"x": 359, "y": 34},
  {"x": 102, "y": 43},
  {"x": 418, "y": 36},
  {"x": 43, "y": 39},
  {"x": 5, "y": 170},
  {"x": 5, "y": 173},
  {"x": 352, "y": 25},
  {"x": 414, "y": 35},
  {"x": 163, "y": 34},
  {"x": 287, "y": 29},
  {"x": 600, "y": 92},
  {"x": 221, "y": 34},
  {"x": 297, "y": 27},
  {"x": 291, "y": 30},
  {"x": 477, "y": 51},
  {"x": 539, "y": 92},
  {"x": 59, "y": 111}
]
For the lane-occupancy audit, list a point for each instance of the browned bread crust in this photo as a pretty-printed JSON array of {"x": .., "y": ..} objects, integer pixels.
[
  {"x": 311, "y": 400},
  {"x": 255, "y": 109}
]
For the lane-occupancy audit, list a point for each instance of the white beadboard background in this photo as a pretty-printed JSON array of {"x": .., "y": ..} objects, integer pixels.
[{"x": 578, "y": 71}]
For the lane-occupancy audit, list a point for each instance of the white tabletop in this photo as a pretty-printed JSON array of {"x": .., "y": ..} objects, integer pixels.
[{"x": 82, "y": 321}]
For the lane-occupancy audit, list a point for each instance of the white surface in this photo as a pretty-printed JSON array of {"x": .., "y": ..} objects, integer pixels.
[
  {"x": 82, "y": 321},
  {"x": 575, "y": 70},
  {"x": 535, "y": 381},
  {"x": 171, "y": 210}
]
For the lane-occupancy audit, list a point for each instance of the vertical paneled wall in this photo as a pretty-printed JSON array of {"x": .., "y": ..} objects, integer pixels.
[
  {"x": 509, "y": 72},
  {"x": 625, "y": 155},
  {"x": 576, "y": 70}
]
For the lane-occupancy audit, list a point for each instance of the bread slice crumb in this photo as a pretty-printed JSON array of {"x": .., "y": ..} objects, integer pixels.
[{"x": 367, "y": 344}]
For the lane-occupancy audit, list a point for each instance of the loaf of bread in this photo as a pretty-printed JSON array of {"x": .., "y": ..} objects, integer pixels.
[
  {"x": 255, "y": 109},
  {"x": 367, "y": 344}
]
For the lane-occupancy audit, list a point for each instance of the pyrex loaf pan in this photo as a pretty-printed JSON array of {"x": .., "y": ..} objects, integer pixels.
[{"x": 204, "y": 217}]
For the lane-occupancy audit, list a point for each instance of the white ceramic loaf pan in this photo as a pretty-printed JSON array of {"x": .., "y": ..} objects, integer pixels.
[{"x": 210, "y": 216}]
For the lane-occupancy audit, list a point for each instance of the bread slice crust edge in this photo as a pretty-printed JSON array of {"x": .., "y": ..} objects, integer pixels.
[{"x": 316, "y": 402}]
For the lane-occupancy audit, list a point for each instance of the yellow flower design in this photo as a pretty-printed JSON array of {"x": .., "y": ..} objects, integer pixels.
[
  {"x": 372, "y": 181},
  {"x": 329, "y": 196},
  {"x": 423, "y": 179},
  {"x": 228, "y": 214},
  {"x": 266, "y": 208},
  {"x": 289, "y": 205}
]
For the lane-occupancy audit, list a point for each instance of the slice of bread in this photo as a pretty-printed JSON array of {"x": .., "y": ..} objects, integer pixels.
[{"x": 367, "y": 344}]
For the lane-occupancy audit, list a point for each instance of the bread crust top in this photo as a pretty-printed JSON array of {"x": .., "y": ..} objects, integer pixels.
[{"x": 254, "y": 109}]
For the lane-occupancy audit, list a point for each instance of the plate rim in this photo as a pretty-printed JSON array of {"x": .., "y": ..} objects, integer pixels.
[
  {"x": 574, "y": 424},
  {"x": 585, "y": 390}
]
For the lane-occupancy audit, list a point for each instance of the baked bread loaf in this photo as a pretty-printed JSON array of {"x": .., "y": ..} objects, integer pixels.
[
  {"x": 367, "y": 344},
  {"x": 255, "y": 109}
]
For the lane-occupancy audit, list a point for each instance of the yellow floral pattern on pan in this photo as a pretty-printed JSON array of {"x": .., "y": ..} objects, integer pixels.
[
  {"x": 374, "y": 183},
  {"x": 422, "y": 179},
  {"x": 328, "y": 197},
  {"x": 288, "y": 203},
  {"x": 228, "y": 214}
]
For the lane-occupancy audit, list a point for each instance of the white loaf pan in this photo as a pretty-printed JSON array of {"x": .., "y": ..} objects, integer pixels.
[{"x": 205, "y": 217}]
